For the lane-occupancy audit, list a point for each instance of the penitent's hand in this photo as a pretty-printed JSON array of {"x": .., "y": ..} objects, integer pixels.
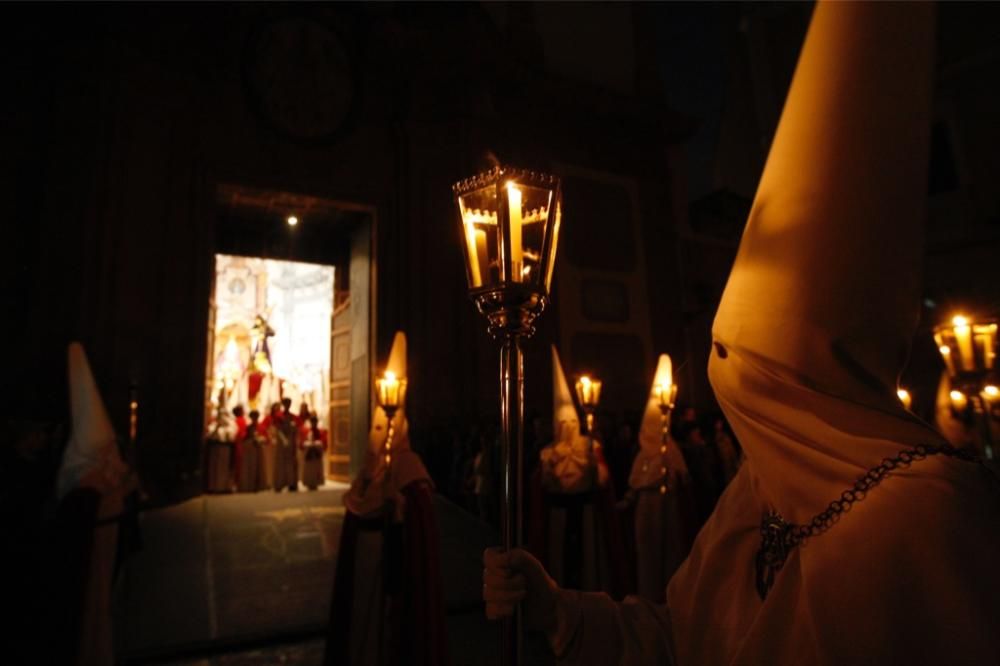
[{"x": 516, "y": 576}]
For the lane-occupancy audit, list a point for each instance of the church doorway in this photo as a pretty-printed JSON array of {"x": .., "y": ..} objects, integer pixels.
[{"x": 290, "y": 320}]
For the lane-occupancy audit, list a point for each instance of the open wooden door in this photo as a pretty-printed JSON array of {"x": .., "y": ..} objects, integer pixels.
[{"x": 339, "y": 459}]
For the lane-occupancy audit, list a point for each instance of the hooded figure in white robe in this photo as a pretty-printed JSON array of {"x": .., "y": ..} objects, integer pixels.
[
  {"x": 388, "y": 605},
  {"x": 575, "y": 527},
  {"x": 665, "y": 512},
  {"x": 92, "y": 460},
  {"x": 810, "y": 337}
]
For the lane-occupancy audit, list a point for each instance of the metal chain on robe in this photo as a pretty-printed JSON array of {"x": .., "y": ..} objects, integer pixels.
[{"x": 779, "y": 537}]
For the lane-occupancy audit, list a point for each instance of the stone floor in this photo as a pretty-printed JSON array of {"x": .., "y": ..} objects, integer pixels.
[{"x": 246, "y": 579}]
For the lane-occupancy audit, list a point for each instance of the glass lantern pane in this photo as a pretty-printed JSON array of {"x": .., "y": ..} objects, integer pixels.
[
  {"x": 529, "y": 214},
  {"x": 479, "y": 222},
  {"x": 984, "y": 342},
  {"x": 550, "y": 260}
]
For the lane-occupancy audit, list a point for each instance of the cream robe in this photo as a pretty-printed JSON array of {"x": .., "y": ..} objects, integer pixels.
[{"x": 810, "y": 336}]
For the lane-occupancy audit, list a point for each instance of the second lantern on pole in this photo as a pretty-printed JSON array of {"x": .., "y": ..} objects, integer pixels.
[{"x": 510, "y": 222}]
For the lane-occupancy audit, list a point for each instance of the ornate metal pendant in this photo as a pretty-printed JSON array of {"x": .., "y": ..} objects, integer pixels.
[{"x": 775, "y": 543}]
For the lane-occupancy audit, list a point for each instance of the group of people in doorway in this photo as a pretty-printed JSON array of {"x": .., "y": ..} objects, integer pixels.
[{"x": 246, "y": 453}]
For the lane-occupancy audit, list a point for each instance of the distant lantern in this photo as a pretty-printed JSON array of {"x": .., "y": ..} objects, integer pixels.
[
  {"x": 588, "y": 392},
  {"x": 968, "y": 348},
  {"x": 390, "y": 392},
  {"x": 292, "y": 220}
]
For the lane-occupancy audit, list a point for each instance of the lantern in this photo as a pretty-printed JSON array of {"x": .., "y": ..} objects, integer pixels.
[
  {"x": 968, "y": 348},
  {"x": 509, "y": 220},
  {"x": 969, "y": 351},
  {"x": 390, "y": 391},
  {"x": 588, "y": 393}
]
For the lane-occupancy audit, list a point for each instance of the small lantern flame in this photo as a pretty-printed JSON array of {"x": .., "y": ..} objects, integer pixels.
[
  {"x": 959, "y": 401},
  {"x": 390, "y": 391},
  {"x": 904, "y": 397},
  {"x": 666, "y": 394},
  {"x": 588, "y": 392}
]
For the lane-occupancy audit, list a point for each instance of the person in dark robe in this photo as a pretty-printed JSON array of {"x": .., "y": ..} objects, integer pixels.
[
  {"x": 285, "y": 439},
  {"x": 574, "y": 526},
  {"x": 251, "y": 475},
  {"x": 387, "y": 606},
  {"x": 241, "y": 433},
  {"x": 314, "y": 442}
]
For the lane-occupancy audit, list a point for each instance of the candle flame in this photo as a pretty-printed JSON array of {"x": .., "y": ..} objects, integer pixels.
[{"x": 959, "y": 320}]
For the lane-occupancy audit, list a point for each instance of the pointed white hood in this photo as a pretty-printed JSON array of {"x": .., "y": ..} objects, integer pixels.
[
  {"x": 567, "y": 463},
  {"x": 378, "y": 482},
  {"x": 565, "y": 419},
  {"x": 92, "y": 446},
  {"x": 651, "y": 461}
]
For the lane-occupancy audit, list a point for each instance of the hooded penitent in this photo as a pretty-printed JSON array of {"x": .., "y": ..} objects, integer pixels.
[
  {"x": 811, "y": 333},
  {"x": 566, "y": 463},
  {"x": 379, "y": 482},
  {"x": 92, "y": 453},
  {"x": 659, "y": 462},
  {"x": 387, "y": 605},
  {"x": 92, "y": 460}
]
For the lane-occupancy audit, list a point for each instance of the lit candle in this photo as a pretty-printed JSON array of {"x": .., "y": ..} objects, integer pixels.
[
  {"x": 483, "y": 257},
  {"x": 963, "y": 336},
  {"x": 475, "y": 238},
  {"x": 949, "y": 362},
  {"x": 958, "y": 401},
  {"x": 991, "y": 393},
  {"x": 904, "y": 397},
  {"x": 516, "y": 249}
]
